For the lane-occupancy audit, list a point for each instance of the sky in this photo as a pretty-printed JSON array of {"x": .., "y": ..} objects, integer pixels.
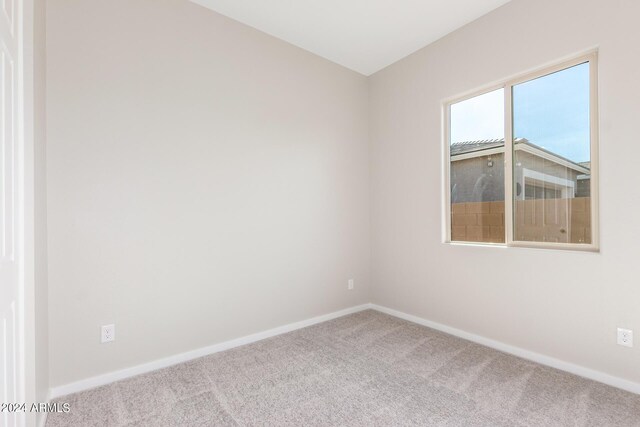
[{"x": 551, "y": 111}]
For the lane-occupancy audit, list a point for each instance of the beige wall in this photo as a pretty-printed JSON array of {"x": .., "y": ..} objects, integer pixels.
[
  {"x": 496, "y": 292},
  {"x": 205, "y": 181}
]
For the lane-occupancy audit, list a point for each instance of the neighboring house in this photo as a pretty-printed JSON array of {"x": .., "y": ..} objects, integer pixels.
[{"x": 477, "y": 172}]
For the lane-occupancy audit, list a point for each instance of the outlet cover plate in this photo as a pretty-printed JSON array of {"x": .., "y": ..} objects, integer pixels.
[
  {"x": 108, "y": 333},
  {"x": 625, "y": 337}
]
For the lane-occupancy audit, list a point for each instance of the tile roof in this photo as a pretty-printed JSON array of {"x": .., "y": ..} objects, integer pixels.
[{"x": 462, "y": 147}]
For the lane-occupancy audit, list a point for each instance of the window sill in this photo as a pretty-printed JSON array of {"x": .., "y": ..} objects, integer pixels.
[{"x": 571, "y": 247}]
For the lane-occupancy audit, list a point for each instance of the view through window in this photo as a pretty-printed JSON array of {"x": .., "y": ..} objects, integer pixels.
[
  {"x": 477, "y": 169},
  {"x": 552, "y": 157},
  {"x": 551, "y": 161}
]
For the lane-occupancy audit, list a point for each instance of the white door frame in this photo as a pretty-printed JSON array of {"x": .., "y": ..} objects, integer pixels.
[
  {"x": 24, "y": 197},
  {"x": 27, "y": 161}
]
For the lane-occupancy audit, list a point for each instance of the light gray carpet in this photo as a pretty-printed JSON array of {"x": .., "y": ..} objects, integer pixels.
[{"x": 366, "y": 369}]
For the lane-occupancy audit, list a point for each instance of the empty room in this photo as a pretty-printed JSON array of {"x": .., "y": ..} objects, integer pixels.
[{"x": 319, "y": 213}]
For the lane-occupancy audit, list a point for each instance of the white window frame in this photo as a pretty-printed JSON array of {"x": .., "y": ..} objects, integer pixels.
[{"x": 590, "y": 57}]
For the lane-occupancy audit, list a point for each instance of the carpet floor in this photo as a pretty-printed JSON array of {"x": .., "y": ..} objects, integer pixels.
[{"x": 365, "y": 369}]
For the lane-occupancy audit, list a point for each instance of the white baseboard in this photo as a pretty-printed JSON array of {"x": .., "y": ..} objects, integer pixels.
[
  {"x": 41, "y": 417},
  {"x": 43, "y": 420},
  {"x": 517, "y": 351},
  {"x": 110, "y": 377}
]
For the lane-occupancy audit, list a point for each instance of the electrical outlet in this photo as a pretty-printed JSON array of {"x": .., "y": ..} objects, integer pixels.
[
  {"x": 625, "y": 337},
  {"x": 350, "y": 284},
  {"x": 108, "y": 333}
]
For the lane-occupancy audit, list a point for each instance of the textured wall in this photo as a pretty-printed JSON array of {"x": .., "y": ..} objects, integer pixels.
[
  {"x": 495, "y": 292},
  {"x": 206, "y": 181}
]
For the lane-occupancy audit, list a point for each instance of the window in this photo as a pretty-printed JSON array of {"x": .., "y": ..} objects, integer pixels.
[
  {"x": 521, "y": 160},
  {"x": 477, "y": 169}
]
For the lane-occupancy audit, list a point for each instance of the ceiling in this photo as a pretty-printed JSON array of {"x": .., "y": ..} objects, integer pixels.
[{"x": 363, "y": 35}]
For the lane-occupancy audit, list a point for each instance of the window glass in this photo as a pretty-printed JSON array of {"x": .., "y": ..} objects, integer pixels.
[
  {"x": 477, "y": 168},
  {"x": 552, "y": 157}
]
